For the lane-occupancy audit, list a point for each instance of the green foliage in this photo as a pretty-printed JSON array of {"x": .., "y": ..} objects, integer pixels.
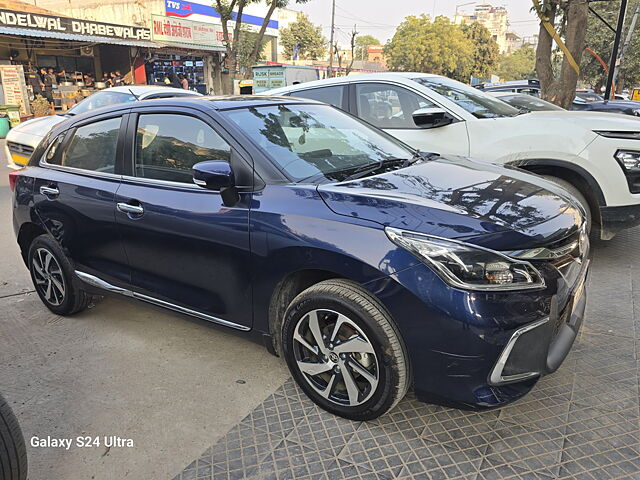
[
  {"x": 362, "y": 42},
  {"x": 600, "y": 40},
  {"x": 308, "y": 37},
  {"x": 518, "y": 65},
  {"x": 485, "y": 49},
  {"x": 439, "y": 47},
  {"x": 246, "y": 42}
]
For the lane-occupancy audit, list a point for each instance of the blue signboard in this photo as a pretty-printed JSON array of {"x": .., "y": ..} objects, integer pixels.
[{"x": 178, "y": 8}]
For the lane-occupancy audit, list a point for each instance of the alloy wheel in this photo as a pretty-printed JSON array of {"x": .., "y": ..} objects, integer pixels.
[
  {"x": 48, "y": 276},
  {"x": 336, "y": 357}
]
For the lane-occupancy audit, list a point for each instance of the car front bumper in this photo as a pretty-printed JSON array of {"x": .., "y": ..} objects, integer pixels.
[
  {"x": 476, "y": 350},
  {"x": 615, "y": 219}
]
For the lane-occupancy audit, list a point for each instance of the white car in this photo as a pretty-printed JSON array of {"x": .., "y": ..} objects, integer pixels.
[
  {"x": 24, "y": 138},
  {"x": 594, "y": 156}
]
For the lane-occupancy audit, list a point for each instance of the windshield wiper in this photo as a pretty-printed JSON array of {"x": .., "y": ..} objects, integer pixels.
[{"x": 385, "y": 162}]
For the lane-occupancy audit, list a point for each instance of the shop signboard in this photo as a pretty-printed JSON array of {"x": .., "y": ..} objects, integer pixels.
[
  {"x": 203, "y": 11},
  {"x": 14, "y": 87},
  {"x": 53, "y": 23},
  {"x": 179, "y": 30}
]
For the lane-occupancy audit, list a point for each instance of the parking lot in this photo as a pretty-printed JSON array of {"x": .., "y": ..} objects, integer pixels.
[{"x": 200, "y": 403}]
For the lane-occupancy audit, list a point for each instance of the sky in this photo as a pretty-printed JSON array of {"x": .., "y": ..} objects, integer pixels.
[{"x": 380, "y": 19}]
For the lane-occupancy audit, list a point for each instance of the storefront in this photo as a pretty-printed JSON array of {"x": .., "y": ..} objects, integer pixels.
[
  {"x": 189, "y": 48},
  {"x": 37, "y": 38}
]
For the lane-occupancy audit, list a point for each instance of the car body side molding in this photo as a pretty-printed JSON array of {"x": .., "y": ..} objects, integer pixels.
[{"x": 103, "y": 285}]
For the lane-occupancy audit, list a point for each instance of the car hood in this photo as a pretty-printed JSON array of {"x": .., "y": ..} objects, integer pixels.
[
  {"x": 484, "y": 203},
  {"x": 590, "y": 120},
  {"x": 38, "y": 127}
]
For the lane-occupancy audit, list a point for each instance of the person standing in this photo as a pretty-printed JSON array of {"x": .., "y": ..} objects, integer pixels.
[
  {"x": 183, "y": 81},
  {"x": 49, "y": 81},
  {"x": 33, "y": 79}
]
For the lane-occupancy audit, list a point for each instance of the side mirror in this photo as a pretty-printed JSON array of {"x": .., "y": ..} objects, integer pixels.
[
  {"x": 213, "y": 175},
  {"x": 431, "y": 117},
  {"x": 217, "y": 175}
]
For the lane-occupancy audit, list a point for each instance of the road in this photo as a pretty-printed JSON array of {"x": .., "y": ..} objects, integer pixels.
[{"x": 126, "y": 369}]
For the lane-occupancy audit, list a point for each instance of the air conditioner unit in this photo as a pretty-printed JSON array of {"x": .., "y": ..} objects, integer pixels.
[{"x": 86, "y": 51}]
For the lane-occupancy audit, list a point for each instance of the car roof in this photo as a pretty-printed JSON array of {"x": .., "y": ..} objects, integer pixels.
[
  {"x": 354, "y": 78},
  {"x": 199, "y": 102},
  {"x": 139, "y": 90}
]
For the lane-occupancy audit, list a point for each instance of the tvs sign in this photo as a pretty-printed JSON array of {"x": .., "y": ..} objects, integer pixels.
[
  {"x": 178, "y": 30},
  {"x": 52, "y": 23}
]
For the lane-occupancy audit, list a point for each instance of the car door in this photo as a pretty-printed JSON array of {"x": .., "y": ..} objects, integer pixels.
[
  {"x": 186, "y": 249},
  {"x": 390, "y": 107},
  {"x": 74, "y": 196}
]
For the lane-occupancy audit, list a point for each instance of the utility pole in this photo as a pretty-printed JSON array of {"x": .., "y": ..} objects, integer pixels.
[
  {"x": 627, "y": 41},
  {"x": 616, "y": 46},
  {"x": 333, "y": 25}
]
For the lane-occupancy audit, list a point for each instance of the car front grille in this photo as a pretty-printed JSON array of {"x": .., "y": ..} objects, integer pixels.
[{"x": 20, "y": 149}]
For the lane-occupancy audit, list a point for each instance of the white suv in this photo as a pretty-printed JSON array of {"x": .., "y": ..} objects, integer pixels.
[{"x": 595, "y": 156}]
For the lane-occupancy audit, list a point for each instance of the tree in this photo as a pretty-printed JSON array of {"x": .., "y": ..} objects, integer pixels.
[
  {"x": 246, "y": 45},
  {"x": 232, "y": 42},
  {"x": 439, "y": 47},
  {"x": 599, "y": 39},
  {"x": 308, "y": 37},
  {"x": 485, "y": 49},
  {"x": 517, "y": 65},
  {"x": 569, "y": 18},
  {"x": 363, "y": 42}
]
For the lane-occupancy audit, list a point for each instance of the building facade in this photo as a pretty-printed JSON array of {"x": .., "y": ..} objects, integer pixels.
[{"x": 496, "y": 20}]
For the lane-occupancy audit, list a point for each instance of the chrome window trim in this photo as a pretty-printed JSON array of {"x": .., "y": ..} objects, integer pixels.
[
  {"x": 496, "y": 377},
  {"x": 166, "y": 183},
  {"x": 63, "y": 168},
  {"x": 104, "y": 285}
]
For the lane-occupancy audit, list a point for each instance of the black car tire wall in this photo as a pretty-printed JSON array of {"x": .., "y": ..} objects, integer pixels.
[
  {"x": 75, "y": 299},
  {"x": 13, "y": 453},
  {"x": 350, "y": 299}
]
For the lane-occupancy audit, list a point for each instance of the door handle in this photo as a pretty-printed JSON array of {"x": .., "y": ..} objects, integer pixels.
[
  {"x": 50, "y": 192},
  {"x": 130, "y": 209}
]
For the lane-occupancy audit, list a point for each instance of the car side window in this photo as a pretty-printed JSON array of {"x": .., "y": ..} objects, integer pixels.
[
  {"x": 169, "y": 145},
  {"x": 333, "y": 95},
  {"x": 388, "y": 106},
  {"x": 93, "y": 147}
]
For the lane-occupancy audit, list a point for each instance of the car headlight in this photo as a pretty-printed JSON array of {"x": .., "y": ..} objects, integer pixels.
[
  {"x": 629, "y": 159},
  {"x": 620, "y": 134},
  {"x": 467, "y": 266}
]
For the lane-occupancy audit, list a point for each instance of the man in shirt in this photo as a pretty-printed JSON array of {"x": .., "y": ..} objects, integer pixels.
[
  {"x": 49, "y": 81},
  {"x": 33, "y": 79}
]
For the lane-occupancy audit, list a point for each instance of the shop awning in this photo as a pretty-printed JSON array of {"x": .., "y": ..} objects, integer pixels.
[
  {"x": 28, "y": 32},
  {"x": 191, "y": 47}
]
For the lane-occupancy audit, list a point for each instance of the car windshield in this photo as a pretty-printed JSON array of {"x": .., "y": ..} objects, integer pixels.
[
  {"x": 474, "y": 101},
  {"x": 104, "y": 98},
  {"x": 589, "y": 97},
  {"x": 529, "y": 103},
  {"x": 316, "y": 142}
]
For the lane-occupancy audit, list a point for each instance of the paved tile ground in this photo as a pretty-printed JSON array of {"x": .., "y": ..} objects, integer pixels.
[{"x": 583, "y": 422}]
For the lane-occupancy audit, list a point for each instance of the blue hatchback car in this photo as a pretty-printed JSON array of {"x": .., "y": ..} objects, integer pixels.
[{"x": 368, "y": 266}]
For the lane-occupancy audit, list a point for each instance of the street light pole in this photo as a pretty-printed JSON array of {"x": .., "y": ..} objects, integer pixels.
[
  {"x": 616, "y": 46},
  {"x": 333, "y": 20},
  {"x": 625, "y": 45}
]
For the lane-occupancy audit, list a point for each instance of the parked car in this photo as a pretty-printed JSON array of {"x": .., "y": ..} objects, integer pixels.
[
  {"x": 368, "y": 266},
  {"x": 13, "y": 452},
  {"x": 526, "y": 103},
  {"x": 24, "y": 138},
  {"x": 594, "y": 156},
  {"x": 589, "y": 101},
  {"x": 625, "y": 107}
]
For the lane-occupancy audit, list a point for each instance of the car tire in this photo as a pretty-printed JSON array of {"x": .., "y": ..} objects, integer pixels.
[
  {"x": 577, "y": 194},
  {"x": 361, "y": 370},
  {"x": 54, "y": 279},
  {"x": 13, "y": 453}
]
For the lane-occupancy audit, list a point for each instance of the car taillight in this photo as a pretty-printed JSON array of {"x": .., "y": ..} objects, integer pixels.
[{"x": 13, "y": 178}]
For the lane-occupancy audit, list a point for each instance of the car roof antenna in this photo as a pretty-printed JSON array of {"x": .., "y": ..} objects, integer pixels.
[{"x": 136, "y": 96}]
